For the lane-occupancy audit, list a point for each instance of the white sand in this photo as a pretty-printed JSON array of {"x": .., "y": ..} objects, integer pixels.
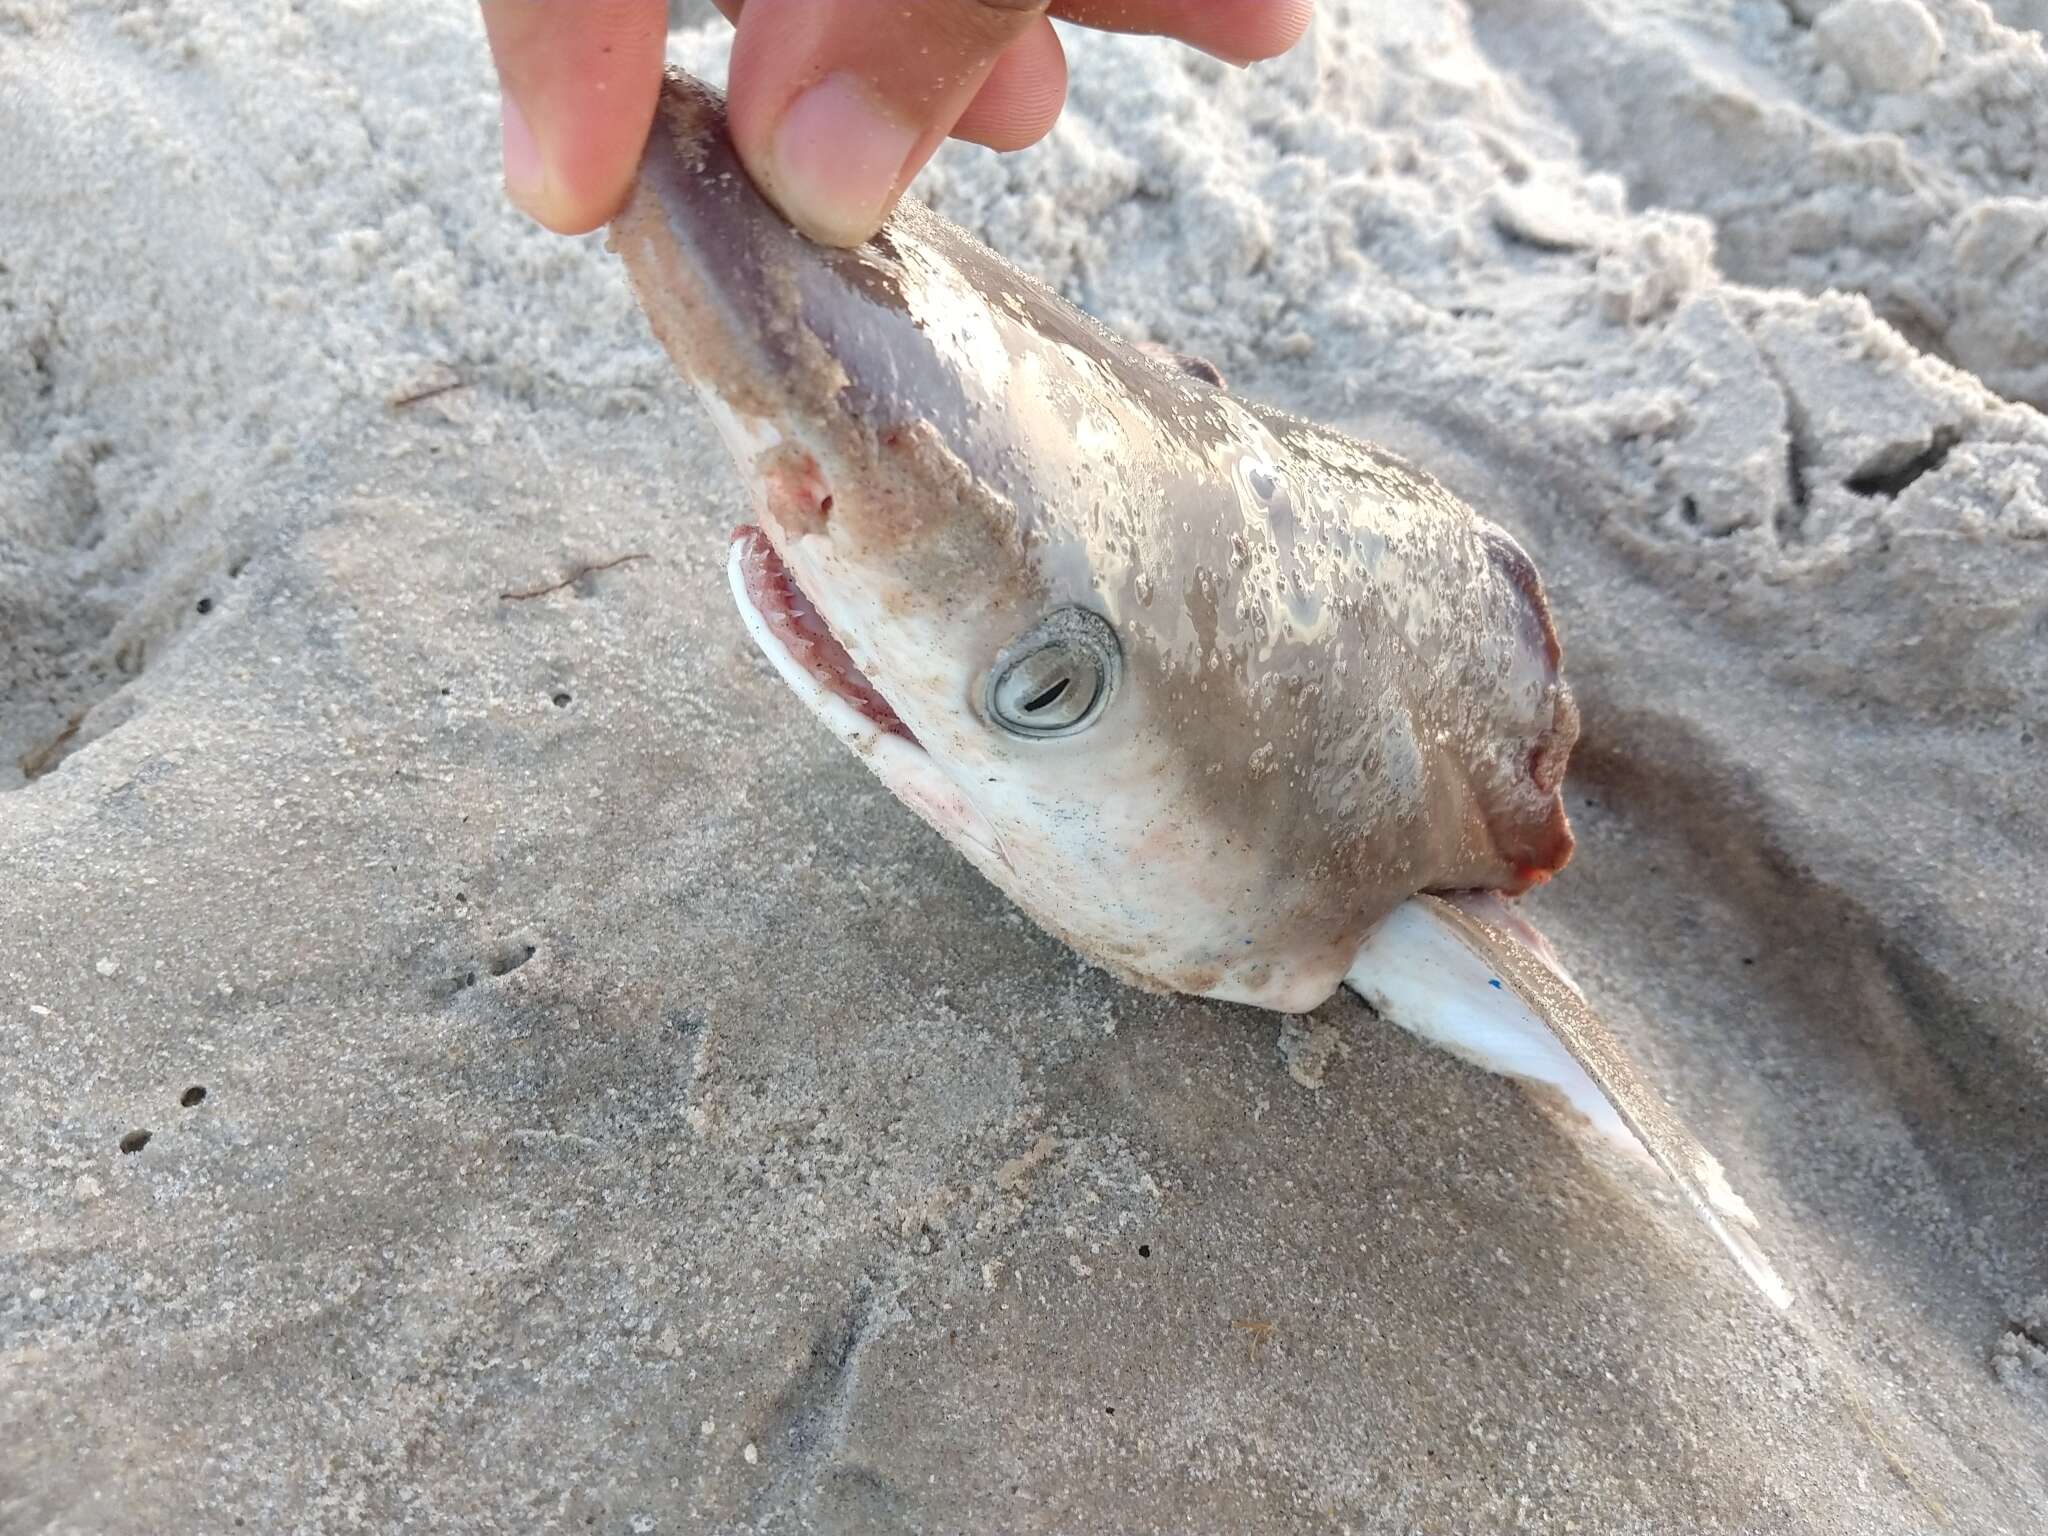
[{"x": 620, "y": 1115}]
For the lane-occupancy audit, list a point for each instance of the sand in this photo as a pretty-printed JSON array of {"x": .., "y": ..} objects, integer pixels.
[{"x": 620, "y": 1115}]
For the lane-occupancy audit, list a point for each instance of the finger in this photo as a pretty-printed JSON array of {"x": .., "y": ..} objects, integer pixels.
[
  {"x": 1021, "y": 100},
  {"x": 1236, "y": 30},
  {"x": 835, "y": 104},
  {"x": 580, "y": 79}
]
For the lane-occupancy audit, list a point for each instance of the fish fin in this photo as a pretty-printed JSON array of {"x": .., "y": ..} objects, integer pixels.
[{"x": 1471, "y": 976}]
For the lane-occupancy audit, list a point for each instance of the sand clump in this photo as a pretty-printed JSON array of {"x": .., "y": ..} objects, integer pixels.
[
  {"x": 1883, "y": 46},
  {"x": 1882, "y": 147}
]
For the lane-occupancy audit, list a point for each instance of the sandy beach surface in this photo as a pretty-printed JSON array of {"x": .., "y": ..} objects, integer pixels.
[{"x": 475, "y": 1056}]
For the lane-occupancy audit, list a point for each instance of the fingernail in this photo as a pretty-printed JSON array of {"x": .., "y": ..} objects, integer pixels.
[
  {"x": 525, "y": 173},
  {"x": 837, "y": 158}
]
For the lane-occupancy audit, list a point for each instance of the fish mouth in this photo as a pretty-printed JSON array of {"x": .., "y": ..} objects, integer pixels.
[
  {"x": 785, "y": 623},
  {"x": 788, "y": 615}
]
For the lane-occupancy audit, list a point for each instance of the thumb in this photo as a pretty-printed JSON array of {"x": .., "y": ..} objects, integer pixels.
[
  {"x": 835, "y": 105},
  {"x": 580, "y": 79}
]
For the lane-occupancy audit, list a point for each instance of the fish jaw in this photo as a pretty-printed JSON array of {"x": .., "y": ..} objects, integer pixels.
[{"x": 849, "y": 707}]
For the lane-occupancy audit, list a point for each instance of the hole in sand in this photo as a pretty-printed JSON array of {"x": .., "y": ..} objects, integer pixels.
[
  {"x": 135, "y": 1141},
  {"x": 1888, "y": 483},
  {"x": 191, "y": 1096},
  {"x": 204, "y": 605},
  {"x": 509, "y": 957},
  {"x": 562, "y": 701}
]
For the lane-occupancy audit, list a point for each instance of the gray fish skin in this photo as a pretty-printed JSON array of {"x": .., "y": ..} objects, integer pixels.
[
  {"x": 1338, "y": 685},
  {"x": 1323, "y": 693}
]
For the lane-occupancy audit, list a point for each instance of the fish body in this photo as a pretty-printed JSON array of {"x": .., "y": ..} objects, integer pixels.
[{"x": 1229, "y": 702}]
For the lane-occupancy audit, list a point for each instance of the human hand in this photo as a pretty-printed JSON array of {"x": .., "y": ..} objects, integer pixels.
[{"x": 835, "y": 105}]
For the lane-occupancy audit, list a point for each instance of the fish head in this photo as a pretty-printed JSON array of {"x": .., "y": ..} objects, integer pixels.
[{"x": 1206, "y": 690}]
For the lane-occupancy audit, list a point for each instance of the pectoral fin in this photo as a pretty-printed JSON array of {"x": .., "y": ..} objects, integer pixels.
[{"x": 1470, "y": 976}]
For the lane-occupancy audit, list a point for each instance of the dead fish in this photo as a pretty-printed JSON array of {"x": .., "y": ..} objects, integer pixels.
[{"x": 1233, "y": 704}]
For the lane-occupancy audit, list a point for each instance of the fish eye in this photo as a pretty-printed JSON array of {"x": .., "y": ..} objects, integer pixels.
[{"x": 1056, "y": 679}]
